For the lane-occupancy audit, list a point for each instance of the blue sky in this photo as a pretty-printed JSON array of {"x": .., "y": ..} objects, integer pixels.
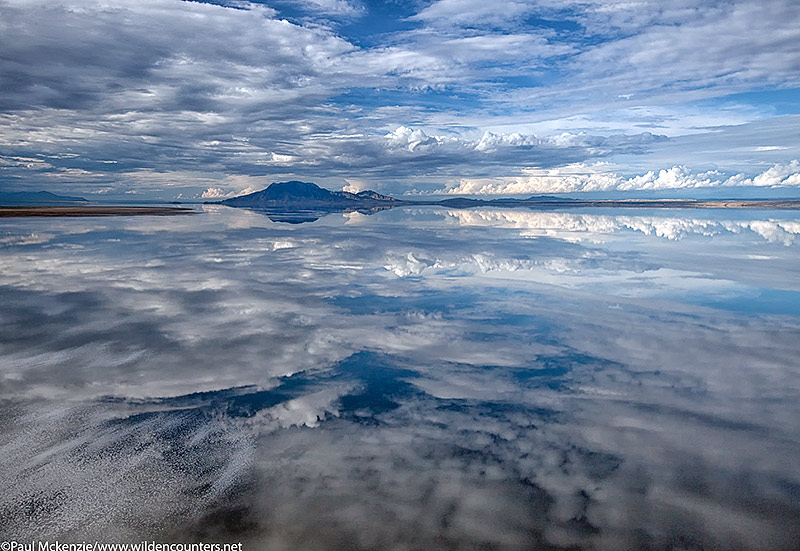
[{"x": 165, "y": 99}]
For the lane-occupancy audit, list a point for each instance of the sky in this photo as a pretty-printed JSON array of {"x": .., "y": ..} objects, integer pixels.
[{"x": 169, "y": 99}]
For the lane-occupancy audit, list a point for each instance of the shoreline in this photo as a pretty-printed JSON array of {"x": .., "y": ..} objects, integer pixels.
[{"x": 83, "y": 211}]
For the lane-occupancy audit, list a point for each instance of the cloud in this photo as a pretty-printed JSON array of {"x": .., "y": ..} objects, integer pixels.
[
  {"x": 214, "y": 193},
  {"x": 219, "y": 193},
  {"x": 416, "y": 139},
  {"x": 355, "y": 185},
  {"x": 771, "y": 148},
  {"x": 334, "y": 7},
  {"x": 619, "y": 51},
  {"x": 474, "y": 13},
  {"x": 417, "y": 151},
  {"x": 783, "y": 175},
  {"x": 584, "y": 178},
  {"x": 717, "y": 48},
  {"x": 204, "y": 90},
  {"x": 411, "y": 139}
]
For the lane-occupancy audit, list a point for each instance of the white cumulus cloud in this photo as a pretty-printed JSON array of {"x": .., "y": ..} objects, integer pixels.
[
  {"x": 213, "y": 193},
  {"x": 581, "y": 177}
]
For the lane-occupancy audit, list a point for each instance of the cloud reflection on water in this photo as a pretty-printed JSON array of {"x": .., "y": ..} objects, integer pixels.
[{"x": 421, "y": 379}]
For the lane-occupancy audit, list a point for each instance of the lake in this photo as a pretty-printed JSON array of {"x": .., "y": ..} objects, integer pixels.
[{"x": 421, "y": 378}]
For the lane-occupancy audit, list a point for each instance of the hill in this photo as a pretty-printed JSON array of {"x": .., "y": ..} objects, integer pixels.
[
  {"x": 305, "y": 195},
  {"x": 36, "y": 198}
]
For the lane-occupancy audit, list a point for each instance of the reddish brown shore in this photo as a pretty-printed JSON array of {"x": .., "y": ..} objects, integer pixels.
[{"x": 6, "y": 212}]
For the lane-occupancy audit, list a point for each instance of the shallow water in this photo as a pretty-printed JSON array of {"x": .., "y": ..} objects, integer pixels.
[{"x": 415, "y": 379}]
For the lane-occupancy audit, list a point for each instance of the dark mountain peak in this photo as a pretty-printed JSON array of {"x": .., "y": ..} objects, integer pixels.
[
  {"x": 294, "y": 189},
  {"x": 282, "y": 194}
]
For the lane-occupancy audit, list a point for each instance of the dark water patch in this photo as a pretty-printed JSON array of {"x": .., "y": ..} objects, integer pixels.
[{"x": 381, "y": 385}]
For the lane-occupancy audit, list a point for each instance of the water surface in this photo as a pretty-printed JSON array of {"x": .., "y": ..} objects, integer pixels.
[{"x": 415, "y": 379}]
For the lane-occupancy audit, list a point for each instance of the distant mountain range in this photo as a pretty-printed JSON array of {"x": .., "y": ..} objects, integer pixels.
[
  {"x": 36, "y": 198},
  {"x": 305, "y": 196},
  {"x": 297, "y": 202}
]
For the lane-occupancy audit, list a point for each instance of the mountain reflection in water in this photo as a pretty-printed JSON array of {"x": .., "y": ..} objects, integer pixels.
[
  {"x": 424, "y": 378},
  {"x": 301, "y": 216}
]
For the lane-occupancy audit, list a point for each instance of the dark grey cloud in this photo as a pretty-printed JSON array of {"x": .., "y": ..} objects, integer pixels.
[{"x": 158, "y": 56}]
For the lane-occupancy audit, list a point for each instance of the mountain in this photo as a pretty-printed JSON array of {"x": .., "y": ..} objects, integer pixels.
[
  {"x": 36, "y": 198},
  {"x": 546, "y": 198},
  {"x": 460, "y": 203},
  {"x": 304, "y": 195}
]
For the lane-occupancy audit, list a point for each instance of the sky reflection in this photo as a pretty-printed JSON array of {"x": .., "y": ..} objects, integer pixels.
[{"x": 425, "y": 378}]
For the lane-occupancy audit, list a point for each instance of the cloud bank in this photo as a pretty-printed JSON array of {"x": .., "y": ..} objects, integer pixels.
[{"x": 584, "y": 178}]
